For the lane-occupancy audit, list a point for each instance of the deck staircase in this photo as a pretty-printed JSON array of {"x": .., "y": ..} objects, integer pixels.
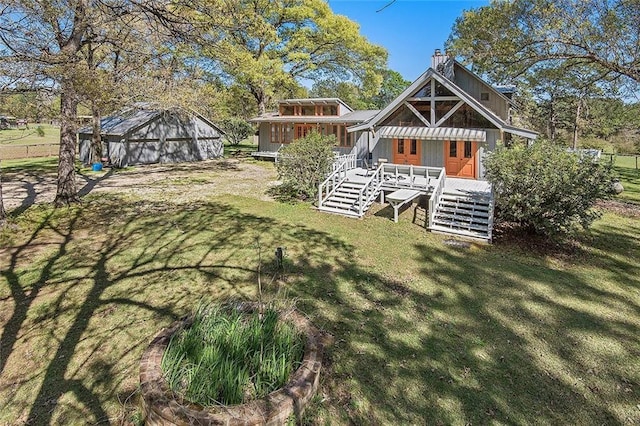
[
  {"x": 470, "y": 216},
  {"x": 345, "y": 200}
]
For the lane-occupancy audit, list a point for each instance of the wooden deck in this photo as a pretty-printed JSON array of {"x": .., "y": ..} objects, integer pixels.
[
  {"x": 456, "y": 186},
  {"x": 467, "y": 187}
]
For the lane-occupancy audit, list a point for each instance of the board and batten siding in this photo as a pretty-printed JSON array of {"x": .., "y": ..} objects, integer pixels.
[
  {"x": 431, "y": 152},
  {"x": 474, "y": 87},
  {"x": 493, "y": 136}
]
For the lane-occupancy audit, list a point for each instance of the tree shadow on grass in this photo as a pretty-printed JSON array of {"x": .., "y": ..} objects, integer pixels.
[
  {"x": 479, "y": 338},
  {"x": 475, "y": 336},
  {"x": 119, "y": 272}
]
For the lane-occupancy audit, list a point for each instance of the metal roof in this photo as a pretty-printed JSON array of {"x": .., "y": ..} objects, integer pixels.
[
  {"x": 433, "y": 133},
  {"x": 130, "y": 119},
  {"x": 353, "y": 117},
  {"x": 314, "y": 101}
]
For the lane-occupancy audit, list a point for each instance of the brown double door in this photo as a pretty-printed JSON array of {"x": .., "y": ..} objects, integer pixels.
[
  {"x": 302, "y": 130},
  {"x": 406, "y": 151},
  {"x": 460, "y": 158}
]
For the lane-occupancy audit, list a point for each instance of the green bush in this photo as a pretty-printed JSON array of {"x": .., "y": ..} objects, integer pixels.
[
  {"x": 229, "y": 357},
  {"x": 304, "y": 164},
  {"x": 236, "y": 130},
  {"x": 545, "y": 189}
]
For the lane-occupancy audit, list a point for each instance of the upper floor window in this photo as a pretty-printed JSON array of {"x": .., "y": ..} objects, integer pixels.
[
  {"x": 484, "y": 96},
  {"x": 309, "y": 110}
]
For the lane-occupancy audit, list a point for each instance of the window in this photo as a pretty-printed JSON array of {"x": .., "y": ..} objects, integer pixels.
[
  {"x": 400, "y": 146},
  {"x": 453, "y": 149},
  {"x": 329, "y": 110},
  {"x": 413, "y": 149},
  {"x": 286, "y": 110},
  {"x": 467, "y": 149},
  {"x": 308, "y": 110},
  {"x": 280, "y": 133},
  {"x": 484, "y": 96}
]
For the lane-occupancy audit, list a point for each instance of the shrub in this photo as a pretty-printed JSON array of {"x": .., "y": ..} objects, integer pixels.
[
  {"x": 304, "y": 164},
  {"x": 545, "y": 189},
  {"x": 229, "y": 357},
  {"x": 236, "y": 130}
]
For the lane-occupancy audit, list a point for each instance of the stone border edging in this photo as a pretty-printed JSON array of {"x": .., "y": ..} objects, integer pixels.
[{"x": 161, "y": 406}]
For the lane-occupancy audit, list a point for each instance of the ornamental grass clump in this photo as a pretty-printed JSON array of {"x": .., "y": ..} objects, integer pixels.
[{"x": 228, "y": 356}]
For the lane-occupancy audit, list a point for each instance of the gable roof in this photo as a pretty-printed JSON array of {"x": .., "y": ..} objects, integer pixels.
[
  {"x": 314, "y": 101},
  {"x": 130, "y": 119},
  {"x": 464, "y": 96}
]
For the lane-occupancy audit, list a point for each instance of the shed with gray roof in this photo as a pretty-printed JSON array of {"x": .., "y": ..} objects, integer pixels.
[{"x": 146, "y": 134}]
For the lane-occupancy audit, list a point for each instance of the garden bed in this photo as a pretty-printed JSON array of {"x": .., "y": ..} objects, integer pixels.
[{"x": 163, "y": 406}]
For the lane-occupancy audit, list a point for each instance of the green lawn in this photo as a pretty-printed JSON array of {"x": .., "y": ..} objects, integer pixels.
[
  {"x": 32, "y": 165},
  {"x": 630, "y": 179},
  {"x": 243, "y": 149},
  {"x": 424, "y": 333},
  {"x": 29, "y": 136}
]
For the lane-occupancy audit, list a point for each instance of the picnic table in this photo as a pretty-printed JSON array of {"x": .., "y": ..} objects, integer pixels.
[{"x": 399, "y": 198}]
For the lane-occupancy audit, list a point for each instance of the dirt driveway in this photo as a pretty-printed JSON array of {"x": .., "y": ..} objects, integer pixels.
[{"x": 175, "y": 182}]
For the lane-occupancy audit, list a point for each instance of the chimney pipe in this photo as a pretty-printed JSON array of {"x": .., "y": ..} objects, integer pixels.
[{"x": 438, "y": 58}]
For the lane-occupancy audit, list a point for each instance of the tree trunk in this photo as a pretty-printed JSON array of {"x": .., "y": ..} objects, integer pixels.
[
  {"x": 67, "y": 190},
  {"x": 3, "y": 213},
  {"x": 576, "y": 124},
  {"x": 96, "y": 141},
  {"x": 552, "y": 120}
]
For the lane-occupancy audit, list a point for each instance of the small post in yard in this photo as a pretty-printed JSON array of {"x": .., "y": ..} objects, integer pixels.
[{"x": 279, "y": 257}]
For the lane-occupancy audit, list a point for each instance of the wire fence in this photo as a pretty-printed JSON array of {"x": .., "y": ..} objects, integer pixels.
[
  {"x": 18, "y": 152},
  {"x": 627, "y": 161}
]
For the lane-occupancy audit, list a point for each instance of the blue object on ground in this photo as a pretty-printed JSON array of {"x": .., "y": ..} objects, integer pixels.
[{"x": 96, "y": 167}]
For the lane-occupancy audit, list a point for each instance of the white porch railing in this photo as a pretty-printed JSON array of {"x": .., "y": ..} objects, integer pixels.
[
  {"x": 277, "y": 157},
  {"x": 435, "y": 195},
  {"x": 409, "y": 176},
  {"x": 349, "y": 159},
  {"x": 370, "y": 190}
]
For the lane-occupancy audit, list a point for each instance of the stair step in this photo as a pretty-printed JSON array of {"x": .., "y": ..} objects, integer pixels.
[
  {"x": 352, "y": 185},
  {"x": 481, "y": 236},
  {"x": 455, "y": 224},
  {"x": 465, "y": 198},
  {"x": 462, "y": 219},
  {"x": 346, "y": 190},
  {"x": 343, "y": 196},
  {"x": 349, "y": 213},
  {"x": 474, "y": 212},
  {"x": 464, "y": 204},
  {"x": 339, "y": 205}
]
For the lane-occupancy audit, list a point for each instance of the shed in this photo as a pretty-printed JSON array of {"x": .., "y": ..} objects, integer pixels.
[{"x": 147, "y": 134}]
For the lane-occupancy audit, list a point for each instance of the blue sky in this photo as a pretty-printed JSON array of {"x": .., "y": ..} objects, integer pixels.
[{"x": 410, "y": 30}]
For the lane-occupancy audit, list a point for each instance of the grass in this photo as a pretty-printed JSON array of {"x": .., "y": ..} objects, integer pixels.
[
  {"x": 243, "y": 149},
  {"x": 29, "y": 136},
  {"x": 230, "y": 357},
  {"x": 31, "y": 165},
  {"x": 424, "y": 332}
]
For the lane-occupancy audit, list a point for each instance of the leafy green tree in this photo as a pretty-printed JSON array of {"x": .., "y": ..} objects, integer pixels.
[
  {"x": 357, "y": 97},
  {"x": 44, "y": 42},
  {"x": 544, "y": 189},
  {"x": 392, "y": 85},
  {"x": 347, "y": 91},
  {"x": 509, "y": 38},
  {"x": 236, "y": 130},
  {"x": 304, "y": 164},
  {"x": 267, "y": 45}
]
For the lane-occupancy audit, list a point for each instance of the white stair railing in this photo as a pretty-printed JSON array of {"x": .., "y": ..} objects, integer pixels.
[
  {"x": 332, "y": 182},
  {"x": 370, "y": 190},
  {"x": 434, "y": 200}
]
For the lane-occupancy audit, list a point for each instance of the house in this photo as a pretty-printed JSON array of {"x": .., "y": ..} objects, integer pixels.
[
  {"x": 147, "y": 134},
  {"x": 429, "y": 141},
  {"x": 297, "y": 117}
]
